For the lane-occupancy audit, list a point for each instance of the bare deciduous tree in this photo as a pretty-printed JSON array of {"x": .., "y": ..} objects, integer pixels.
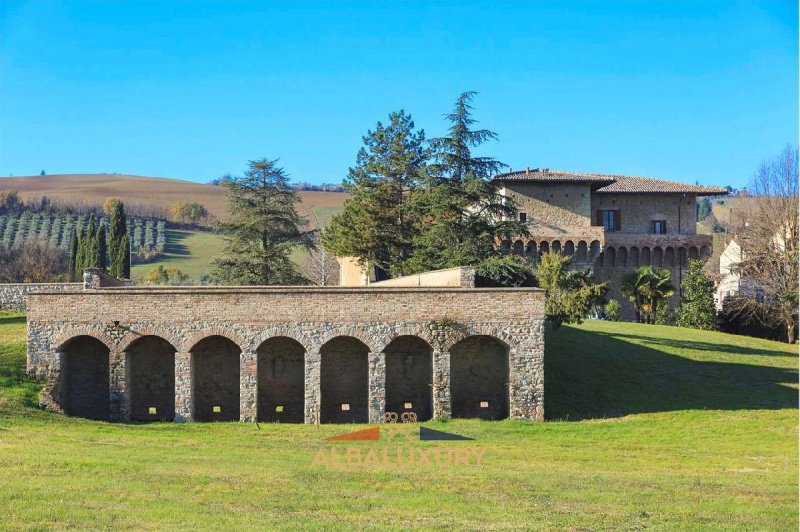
[
  {"x": 320, "y": 267},
  {"x": 35, "y": 261},
  {"x": 769, "y": 244}
]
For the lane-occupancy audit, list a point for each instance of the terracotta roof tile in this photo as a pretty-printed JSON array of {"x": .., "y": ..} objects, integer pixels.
[{"x": 611, "y": 184}]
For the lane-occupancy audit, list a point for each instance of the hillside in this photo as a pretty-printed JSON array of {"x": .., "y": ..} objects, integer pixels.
[
  {"x": 150, "y": 195},
  {"x": 650, "y": 428}
]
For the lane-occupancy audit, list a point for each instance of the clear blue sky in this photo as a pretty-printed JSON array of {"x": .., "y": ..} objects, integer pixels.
[{"x": 692, "y": 91}]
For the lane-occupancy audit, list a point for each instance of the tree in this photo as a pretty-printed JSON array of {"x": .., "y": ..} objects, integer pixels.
[
  {"x": 169, "y": 275},
  {"x": 102, "y": 247},
  {"x": 35, "y": 261},
  {"x": 320, "y": 267},
  {"x": 647, "y": 288},
  {"x": 188, "y": 212},
  {"x": 378, "y": 222},
  {"x": 769, "y": 243},
  {"x": 697, "y": 309},
  {"x": 73, "y": 255},
  {"x": 461, "y": 215},
  {"x": 611, "y": 310},
  {"x": 262, "y": 229},
  {"x": 91, "y": 257},
  {"x": 118, "y": 244},
  {"x": 569, "y": 294},
  {"x": 703, "y": 208},
  {"x": 110, "y": 205}
]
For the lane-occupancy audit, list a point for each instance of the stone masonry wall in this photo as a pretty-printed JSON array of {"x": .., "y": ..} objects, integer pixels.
[
  {"x": 637, "y": 211},
  {"x": 12, "y": 296},
  {"x": 247, "y": 316},
  {"x": 556, "y": 204}
]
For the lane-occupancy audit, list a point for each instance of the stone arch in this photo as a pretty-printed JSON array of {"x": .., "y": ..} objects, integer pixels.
[
  {"x": 505, "y": 245},
  {"x": 644, "y": 258},
  {"x": 344, "y": 380},
  {"x": 422, "y": 332},
  {"x": 409, "y": 376},
  {"x": 530, "y": 248},
  {"x": 609, "y": 257},
  {"x": 669, "y": 257},
  {"x": 83, "y": 330},
  {"x": 85, "y": 377},
  {"x": 150, "y": 371},
  {"x": 281, "y": 380},
  {"x": 480, "y": 330},
  {"x": 555, "y": 245},
  {"x": 132, "y": 335},
  {"x": 705, "y": 252},
  {"x": 479, "y": 378},
  {"x": 518, "y": 248},
  {"x": 658, "y": 257},
  {"x": 215, "y": 382},
  {"x": 634, "y": 257},
  {"x": 288, "y": 331},
  {"x": 373, "y": 343},
  {"x": 594, "y": 249},
  {"x": 582, "y": 253},
  {"x": 569, "y": 248},
  {"x": 622, "y": 256},
  {"x": 228, "y": 333},
  {"x": 694, "y": 253},
  {"x": 544, "y": 247}
]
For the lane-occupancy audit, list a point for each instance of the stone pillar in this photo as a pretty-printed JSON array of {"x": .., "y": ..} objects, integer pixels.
[
  {"x": 248, "y": 386},
  {"x": 118, "y": 386},
  {"x": 526, "y": 378},
  {"x": 184, "y": 406},
  {"x": 52, "y": 395},
  {"x": 377, "y": 387},
  {"x": 313, "y": 372},
  {"x": 441, "y": 384}
]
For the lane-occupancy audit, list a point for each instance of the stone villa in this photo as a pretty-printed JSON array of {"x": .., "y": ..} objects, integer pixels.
[{"x": 609, "y": 223}]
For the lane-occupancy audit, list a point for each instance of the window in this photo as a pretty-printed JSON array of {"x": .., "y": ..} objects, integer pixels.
[
  {"x": 660, "y": 227},
  {"x": 523, "y": 217},
  {"x": 609, "y": 219}
]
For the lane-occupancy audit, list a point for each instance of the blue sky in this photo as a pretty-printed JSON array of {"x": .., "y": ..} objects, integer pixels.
[{"x": 692, "y": 91}]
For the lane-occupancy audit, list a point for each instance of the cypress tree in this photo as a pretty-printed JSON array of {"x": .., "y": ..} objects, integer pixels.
[
  {"x": 102, "y": 247},
  {"x": 73, "y": 254},
  {"x": 117, "y": 239},
  {"x": 125, "y": 257}
]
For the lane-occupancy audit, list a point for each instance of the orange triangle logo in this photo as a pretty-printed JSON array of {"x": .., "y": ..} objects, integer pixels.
[{"x": 366, "y": 434}]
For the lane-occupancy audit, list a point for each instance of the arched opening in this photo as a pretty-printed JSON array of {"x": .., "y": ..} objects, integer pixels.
[
  {"x": 682, "y": 256},
  {"x": 705, "y": 252},
  {"x": 594, "y": 249},
  {"x": 479, "y": 378},
  {"x": 569, "y": 248},
  {"x": 669, "y": 257},
  {"x": 85, "y": 373},
  {"x": 583, "y": 252},
  {"x": 555, "y": 245},
  {"x": 693, "y": 253},
  {"x": 609, "y": 257},
  {"x": 645, "y": 257},
  {"x": 634, "y": 257},
  {"x": 215, "y": 371},
  {"x": 519, "y": 248},
  {"x": 505, "y": 245},
  {"x": 409, "y": 377},
  {"x": 281, "y": 380},
  {"x": 151, "y": 379},
  {"x": 544, "y": 247},
  {"x": 658, "y": 257},
  {"x": 622, "y": 257},
  {"x": 530, "y": 251},
  {"x": 344, "y": 381}
]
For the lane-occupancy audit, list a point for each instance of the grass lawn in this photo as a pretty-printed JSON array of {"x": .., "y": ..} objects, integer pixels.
[
  {"x": 189, "y": 251},
  {"x": 650, "y": 427}
]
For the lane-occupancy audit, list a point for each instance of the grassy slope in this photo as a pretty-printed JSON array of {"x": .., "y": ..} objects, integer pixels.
[
  {"x": 701, "y": 434},
  {"x": 189, "y": 251}
]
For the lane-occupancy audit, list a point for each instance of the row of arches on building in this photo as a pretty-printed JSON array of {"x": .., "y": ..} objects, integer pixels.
[
  {"x": 479, "y": 376},
  {"x": 666, "y": 257},
  {"x": 582, "y": 250}
]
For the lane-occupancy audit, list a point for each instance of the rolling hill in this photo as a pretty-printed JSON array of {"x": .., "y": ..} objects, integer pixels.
[{"x": 151, "y": 196}]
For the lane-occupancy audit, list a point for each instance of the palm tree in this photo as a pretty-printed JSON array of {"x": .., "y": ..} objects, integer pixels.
[{"x": 646, "y": 288}]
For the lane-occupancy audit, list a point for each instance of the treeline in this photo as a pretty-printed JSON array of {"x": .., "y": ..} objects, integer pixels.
[
  {"x": 300, "y": 186},
  {"x": 98, "y": 247}
]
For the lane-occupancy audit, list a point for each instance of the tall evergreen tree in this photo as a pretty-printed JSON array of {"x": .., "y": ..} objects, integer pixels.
[
  {"x": 262, "y": 229},
  {"x": 73, "y": 255},
  {"x": 91, "y": 251},
  {"x": 118, "y": 239},
  {"x": 102, "y": 247},
  {"x": 697, "y": 309},
  {"x": 378, "y": 222},
  {"x": 125, "y": 257},
  {"x": 462, "y": 215}
]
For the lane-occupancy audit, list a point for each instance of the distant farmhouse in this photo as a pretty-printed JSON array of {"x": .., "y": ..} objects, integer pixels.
[{"x": 608, "y": 223}]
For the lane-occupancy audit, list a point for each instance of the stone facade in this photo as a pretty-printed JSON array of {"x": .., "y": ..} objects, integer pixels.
[{"x": 235, "y": 352}]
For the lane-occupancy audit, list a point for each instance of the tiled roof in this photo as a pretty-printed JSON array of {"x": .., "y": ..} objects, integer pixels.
[{"x": 615, "y": 184}]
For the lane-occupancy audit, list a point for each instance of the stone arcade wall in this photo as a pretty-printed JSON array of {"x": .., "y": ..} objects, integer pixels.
[{"x": 247, "y": 316}]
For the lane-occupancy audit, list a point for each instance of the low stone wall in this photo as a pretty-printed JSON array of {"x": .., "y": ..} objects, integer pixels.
[{"x": 12, "y": 296}]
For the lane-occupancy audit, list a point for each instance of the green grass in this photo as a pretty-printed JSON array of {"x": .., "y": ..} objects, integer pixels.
[
  {"x": 651, "y": 427},
  {"x": 189, "y": 251}
]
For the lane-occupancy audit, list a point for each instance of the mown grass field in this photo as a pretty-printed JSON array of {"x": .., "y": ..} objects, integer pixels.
[
  {"x": 189, "y": 251},
  {"x": 650, "y": 428}
]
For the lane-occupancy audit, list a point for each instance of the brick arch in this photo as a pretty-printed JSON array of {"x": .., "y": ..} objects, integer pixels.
[
  {"x": 131, "y": 336},
  {"x": 409, "y": 330},
  {"x": 218, "y": 330},
  {"x": 481, "y": 330},
  {"x": 348, "y": 330},
  {"x": 281, "y": 331},
  {"x": 83, "y": 330}
]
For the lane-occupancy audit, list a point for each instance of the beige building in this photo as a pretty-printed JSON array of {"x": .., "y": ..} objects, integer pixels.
[{"x": 609, "y": 223}]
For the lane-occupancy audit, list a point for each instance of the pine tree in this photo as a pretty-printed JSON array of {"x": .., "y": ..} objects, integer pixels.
[
  {"x": 262, "y": 230},
  {"x": 73, "y": 255},
  {"x": 461, "y": 213},
  {"x": 697, "y": 309},
  {"x": 377, "y": 224},
  {"x": 102, "y": 247}
]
